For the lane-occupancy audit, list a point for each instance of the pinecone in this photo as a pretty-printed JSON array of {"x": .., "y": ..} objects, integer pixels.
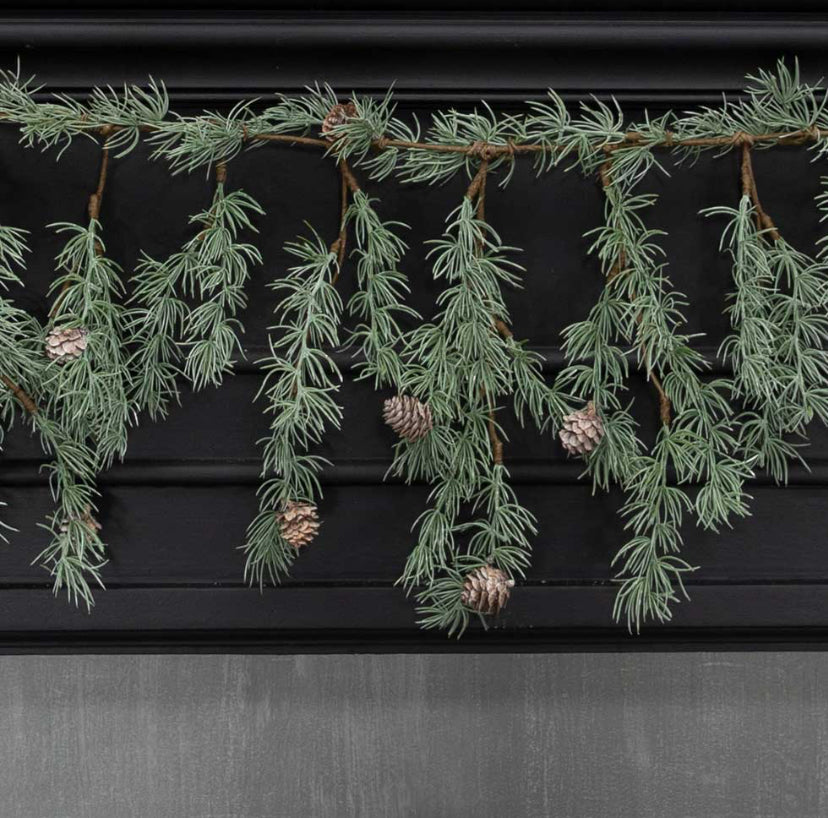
[
  {"x": 87, "y": 519},
  {"x": 487, "y": 589},
  {"x": 407, "y": 416},
  {"x": 66, "y": 343},
  {"x": 338, "y": 115},
  {"x": 582, "y": 430},
  {"x": 299, "y": 523}
]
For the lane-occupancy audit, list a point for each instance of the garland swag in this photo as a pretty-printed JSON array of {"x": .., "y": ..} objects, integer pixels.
[{"x": 112, "y": 349}]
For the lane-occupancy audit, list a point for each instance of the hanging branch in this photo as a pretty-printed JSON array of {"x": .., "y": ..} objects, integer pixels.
[
  {"x": 85, "y": 393},
  {"x": 300, "y": 380},
  {"x": 75, "y": 554},
  {"x": 299, "y": 384},
  {"x": 779, "y": 322},
  {"x": 216, "y": 273},
  {"x": 19, "y": 332},
  {"x": 211, "y": 269},
  {"x": 379, "y": 300},
  {"x": 463, "y": 366},
  {"x": 620, "y": 212},
  {"x": 87, "y": 382},
  {"x": 695, "y": 442}
]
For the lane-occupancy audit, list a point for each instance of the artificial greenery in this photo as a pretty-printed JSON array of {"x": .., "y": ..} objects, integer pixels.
[{"x": 178, "y": 321}]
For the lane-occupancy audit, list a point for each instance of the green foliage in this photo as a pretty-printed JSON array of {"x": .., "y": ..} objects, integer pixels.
[
  {"x": 21, "y": 345},
  {"x": 773, "y": 102},
  {"x": 56, "y": 123},
  {"x": 75, "y": 555},
  {"x": 457, "y": 129},
  {"x": 300, "y": 383},
  {"x": 89, "y": 396},
  {"x": 212, "y": 269},
  {"x": 779, "y": 316},
  {"x": 217, "y": 275},
  {"x": 378, "y": 302},
  {"x": 191, "y": 142},
  {"x": 640, "y": 310},
  {"x": 461, "y": 365},
  {"x": 372, "y": 119}
]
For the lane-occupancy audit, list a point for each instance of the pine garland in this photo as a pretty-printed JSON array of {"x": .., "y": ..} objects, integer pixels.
[{"x": 123, "y": 349}]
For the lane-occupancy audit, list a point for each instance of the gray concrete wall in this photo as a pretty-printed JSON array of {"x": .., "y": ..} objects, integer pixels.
[{"x": 570, "y": 735}]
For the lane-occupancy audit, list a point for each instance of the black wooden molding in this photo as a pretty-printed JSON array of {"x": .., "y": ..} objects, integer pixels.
[{"x": 648, "y": 57}]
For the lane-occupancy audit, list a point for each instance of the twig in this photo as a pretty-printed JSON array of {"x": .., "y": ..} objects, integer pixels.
[
  {"x": 96, "y": 198},
  {"x": 497, "y": 443},
  {"x": 749, "y": 189},
  {"x": 348, "y": 183},
  {"x": 25, "y": 399},
  {"x": 477, "y": 181},
  {"x": 221, "y": 179},
  {"x": 494, "y": 151}
]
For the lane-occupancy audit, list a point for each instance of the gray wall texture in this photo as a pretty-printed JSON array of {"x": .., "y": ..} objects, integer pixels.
[{"x": 700, "y": 735}]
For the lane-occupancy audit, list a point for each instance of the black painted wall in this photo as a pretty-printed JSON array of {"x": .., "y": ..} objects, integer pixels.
[{"x": 176, "y": 510}]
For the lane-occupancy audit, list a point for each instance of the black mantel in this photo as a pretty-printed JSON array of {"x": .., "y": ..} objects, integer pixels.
[{"x": 176, "y": 510}]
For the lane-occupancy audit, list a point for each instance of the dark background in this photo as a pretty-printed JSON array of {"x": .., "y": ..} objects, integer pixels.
[{"x": 176, "y": 510}]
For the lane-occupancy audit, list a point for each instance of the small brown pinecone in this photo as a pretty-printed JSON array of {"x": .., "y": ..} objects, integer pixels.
[
  {"x": 408, "y": 417},
  {"x": 486, "y": 589},
  {"x": 66, "y": 343},
  {"x": 87, "y": 519},
  {"x": 582, "y": 430},
  {"x": 299, "y": 523},
  {"x": 338, "y": 115}
]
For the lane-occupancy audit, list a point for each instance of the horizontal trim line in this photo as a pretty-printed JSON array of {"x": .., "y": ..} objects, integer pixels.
[
  {"x": 342, "y": 473},
  {"x": 405, "y": 31},
  {"x": 264, "y": 95},
  {"x": 236, "y": 621},
  {"x": 391, "y": 584}
]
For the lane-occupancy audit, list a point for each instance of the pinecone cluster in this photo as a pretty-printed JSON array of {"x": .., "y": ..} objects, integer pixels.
[
  {"x": 338, "y": 115},
  {"x": 582, "y": 430},
  {"x": 298, "y": 523},
  {"x": 66, "y": 343},
  {"x": 87, "y": 519},
  {"x": 486, "y": 590},
  {"x": 408, "y": 417}
]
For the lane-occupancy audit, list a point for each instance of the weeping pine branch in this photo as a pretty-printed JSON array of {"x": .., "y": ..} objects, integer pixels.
[{"x": 301, "y": 381}]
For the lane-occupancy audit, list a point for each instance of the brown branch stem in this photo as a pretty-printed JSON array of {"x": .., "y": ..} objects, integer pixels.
[
  {"x": 348, "y": 183},
  {"x": 497, "y": 443},
  {"x": 763, "y": 220},
  {"x": 220, "y": 172},
  {"x": 494, "y": 151},
  {"x": 25, "y": 399},
  {"x": 95, "y": 199}
]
